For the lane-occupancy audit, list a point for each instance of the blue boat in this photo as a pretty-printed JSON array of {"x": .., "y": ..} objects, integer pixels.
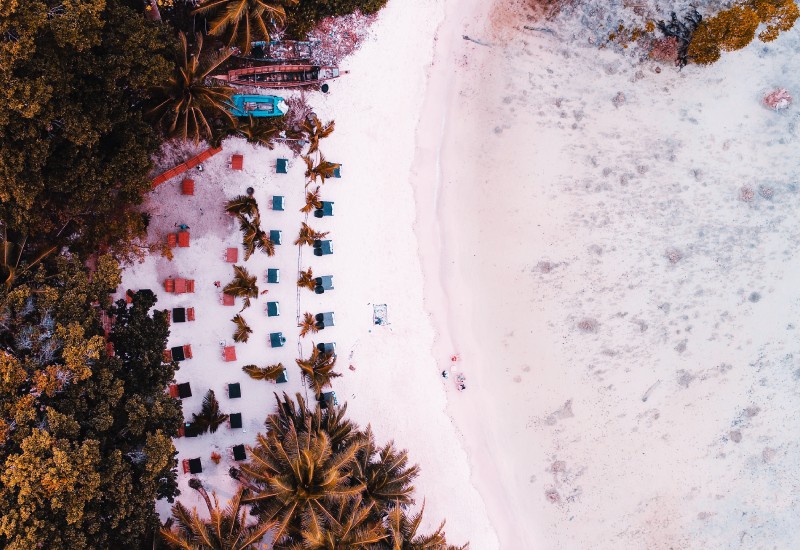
[{"x": 258, "y": 106}]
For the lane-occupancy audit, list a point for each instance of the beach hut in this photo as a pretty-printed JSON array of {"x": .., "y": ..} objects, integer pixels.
[
  {"x": 326, "y": 209},
  {"x": 234, "y": 390},
  {"x": 277, "y": 203},
  {"x": 327, "y": 399},
  {"x": 273, "y": 276},
  {"x": 324, "y": 320},
  {"x": 323, "y": 248},
  {"x": 327, "y": 347},
  {"x": 232, "y": 255},
  {"x": 235, "y": 421},
  {"x": 276, "y": 236},
  {"x": 273, "y": 309},
  {"x": 237, "y": 162},
  {"x": 239, "y": 453},
  {"x": 229, "y": 353},
  {"x": 282, "y": 166},
  {"x": 323, "y": 283},
  {"x": 276, "y": 339},
  {"x": 187, "y": 187}
]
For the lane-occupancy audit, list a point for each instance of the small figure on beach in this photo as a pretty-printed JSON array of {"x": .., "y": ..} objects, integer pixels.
[
  {"x": 445, "y": 374},
  {"x": 454, "y": 358},
  {"x": 183, "y": 227},
  {"x": 216, "y": 284},
  {"x": 264, "y": 291}
]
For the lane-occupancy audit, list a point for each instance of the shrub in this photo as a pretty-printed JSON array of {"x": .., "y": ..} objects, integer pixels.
[
  {"x": 304, "y": 15},
  {"x": 779, "y": 15},
  {"x": 727, "y": 31}
]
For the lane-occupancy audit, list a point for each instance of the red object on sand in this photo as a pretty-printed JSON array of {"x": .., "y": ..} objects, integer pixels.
[
  {"x": 229, "y": 353},
  {"x": 185, "y": 465},
  {"x": 180, "y": 285},
  {"x": 190, "y": 313},
  {"x": 183, "y": 239},
  {"x": 184, "y": 166},
  {"x": 187, "y": 351},
  {"x": 237, "y": 162},
  {"x": 228, "y": 299},
  {"x": 169, "y": 285},
  {"x": 187, "y": 187},
  {"x": 168, "y": 356},
  {"x": 173, "y": 390},
  {"x": 232, "y": 255},
  {"x": 172, "y": 240}
]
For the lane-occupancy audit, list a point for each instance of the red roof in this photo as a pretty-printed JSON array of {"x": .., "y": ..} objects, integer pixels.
[
  {"x": 237, "y": 162},
  {"x": 183, "y": 239},
  {"x": 230, "y": 353},
  {"x": 232, "y": 255}
]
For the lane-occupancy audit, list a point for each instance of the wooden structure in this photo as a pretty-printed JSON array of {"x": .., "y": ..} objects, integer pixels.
[
  {"x": 289, "y": 75},
  {"x": 184, "y": 166}
]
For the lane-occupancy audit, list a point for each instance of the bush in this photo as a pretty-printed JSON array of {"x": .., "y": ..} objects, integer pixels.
[
  {"x": 779, "y": 15},
  {"x": 304, "y": 15}
]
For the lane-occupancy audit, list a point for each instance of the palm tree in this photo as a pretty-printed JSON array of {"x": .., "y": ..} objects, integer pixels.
[
  {"x": 10, "y": 265},
  {"x": 403, "y": 533},
  {"x": 243, "y": 205},
  {"x": 314, "y": 131},
  {"x": 318, "y": 369},
  {"x": 308, "y": 235},
  {"x": 258, "y": 131},
  {"x": 322, "y": 170},
  {"x": 313, "y": 201},
  {"x": 243, "y": 330},
  {"x": 210, "y": 417},
  {"x": 224, "y": 530},
  {"x": 270, "y": 372},
  {"x": 385, "y": 474},
  {"x": 308, "y": 325},
  {"x": 243, "y": 285},
  {"x": 254, "y": 238},
  {"x": 185, "y": 104},
  {"x": 331, "y": 420},
  {"x": 298, "y": 475},
  {"x": 306, "y": 279},
  {"x": 352, "y": 526},
  {"x": 241, "y": 22}
]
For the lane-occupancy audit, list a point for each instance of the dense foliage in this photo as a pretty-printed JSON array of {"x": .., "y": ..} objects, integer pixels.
[
  {"x": 304, "y": 15},
  {"x": 86, "y": 436}
]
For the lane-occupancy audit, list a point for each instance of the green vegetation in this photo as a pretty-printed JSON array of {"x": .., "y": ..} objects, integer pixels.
[
  {"x": 303, "y": 15},
  {"x": 240, "y": 22},
  {"x": 270, "y": 372},
  {"x": 243, "y": 330}
]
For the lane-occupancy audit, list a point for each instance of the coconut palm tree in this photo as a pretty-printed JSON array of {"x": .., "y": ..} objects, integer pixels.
[
  {"x": 241, "y": 22},
  {"x": 298, "y": 475},
  {"x": 260, "y": 132},
  {"x": 402, "y": 531},
  {"x": 270, "y": 372},
  {"x": 185, "y": 105},
  {"x": 243, "y": 330},
  {"x": 385, "y": 473},
  {"x": 210, "y": 417},
  {"x": 226, "y": 529},
  {"x": 242, "y": 205},
  {"x": 352, "y": 526},
  {"x": 308, "y": 235},
  {"x": 13, "y": 265},
  {"x": 314, "y": 131},
  {"x": 254, "y": 238},
  {"x": 308, "y": 325},
  {"x": 313, "y": 201},
  {"x": 318, "y": 369},
  {"x": 306, "y": 280},
  {"x": 322, "y": 169},
  {"x": 243, "y": 285},
  {"x": 330, "y": 420}
]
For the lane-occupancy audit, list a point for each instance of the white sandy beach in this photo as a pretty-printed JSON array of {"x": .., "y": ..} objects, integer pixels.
[{"x": 614, "y": 272}]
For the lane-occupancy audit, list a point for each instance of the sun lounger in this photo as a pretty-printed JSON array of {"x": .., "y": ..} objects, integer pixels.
[
  {"x": 237, "y": 162},
  {"x": 325, "y": 210},
  {"x": 187, "y": 187},
  {"x": 183, "y": 239},
  {"x": 273, "y": 309},
  {"x": 276, "y": 339},
  {"x": 169, "y": 286},
  {"x": 235, "y": 421},
  {"x": 234, "y": 390},
  {"x": 179, "y": 285},
  {"x": 232, "y": 255},
  {"x": 190, "y": 314},
  {"x": 323, "y": 248},
  {"x": 281, "y": 166},
  {"x": 277, "y": 203},
  {"x": 324, "y": 283},
  {"x": 324, "y": 320},
  {"x": 229, "y": 353},
  {"x": 275, "y": 236},
  {"x": 273, "y": 276},
  {"x": 172, "y": 240},
  {"x": 228, "y": 299},
  {"x": 328, "y": 347},
  {"x": 239, "y": 453}
]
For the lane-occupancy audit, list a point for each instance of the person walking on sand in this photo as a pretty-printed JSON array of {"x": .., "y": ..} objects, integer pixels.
[{"x": 216, "y": 284}]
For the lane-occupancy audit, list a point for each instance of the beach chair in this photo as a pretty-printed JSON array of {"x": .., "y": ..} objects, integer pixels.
[
  {"x": 183, "y": 239},
  {"x": 228, "y": 299},
  {"x": 325, "y": 210},
  {"x": 185, "y": 465},
  {"x": 187, "y": 187},
  {"x": 229, "y": 353},
  {"x": 324, "y": 283},
  {"x": 172, "y": 240},
  {"x": 232, "y": 255},
  {"x": 187, "y": 351},
  {"x": 182, "y": 286},
  {"x": 282, "y": 166},
  {"x": 323, "y": 248},
  {"x": 169, "y": 286},
  {"x": 238, "y": 453},
  {"x": 273, "y": 276},
  {"x": 236, "y": 162},
  {"x": 234, "y": 390},
  {"x": 190, "y": 314},
  {"x": 235, "y": 421},
  {"x": 324, "y": 320},
  {"x": 277, "y": 203},
  {"x": 276, "y": 236},
  {"x": 273, "y": 309},
  {"x": 276, "y": 339}
]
